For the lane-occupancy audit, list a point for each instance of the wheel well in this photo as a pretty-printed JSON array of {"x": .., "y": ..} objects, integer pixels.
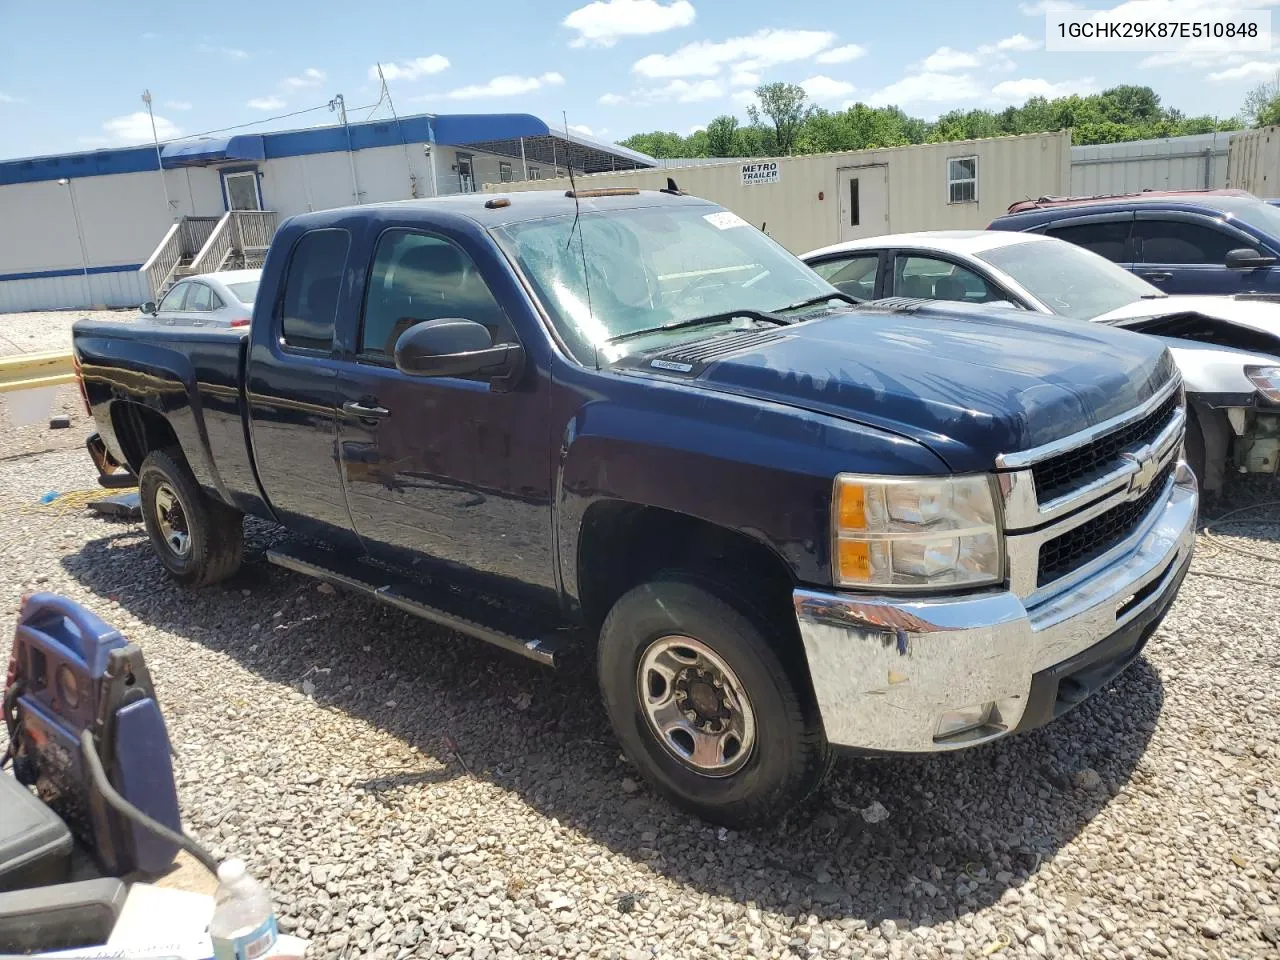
[
  {"x": 139, "y": 430},
  {"x": 623, "y": 544},
  {"x": 1217, "y": 435}
]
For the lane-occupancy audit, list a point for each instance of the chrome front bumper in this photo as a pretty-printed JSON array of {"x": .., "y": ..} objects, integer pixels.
[{"x": 887, "y": 671}]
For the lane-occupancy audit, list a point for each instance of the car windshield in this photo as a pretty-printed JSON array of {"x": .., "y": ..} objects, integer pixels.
[
  {"x": 1259, "y": 214},
  {"x": 625, "y": 271},
  {"x": 244, "y": 292},
  {"x": 1069, "y": 280}
]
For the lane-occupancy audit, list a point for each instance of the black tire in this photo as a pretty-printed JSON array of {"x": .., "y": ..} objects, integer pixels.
[
  {"x": 1193, "y": 448},
  {"x": 214, "y": 531},
  {"x": 789, "y": 757}
]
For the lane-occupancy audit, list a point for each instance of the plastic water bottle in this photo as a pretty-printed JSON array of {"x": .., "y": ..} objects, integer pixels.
[{"x": 243, "y": 925}]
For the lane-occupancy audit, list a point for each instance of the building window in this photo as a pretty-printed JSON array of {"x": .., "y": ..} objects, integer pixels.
[
  {"x": 962, "y": 180},
  {"x": 535, "y": 173},
  {"x": 504, "y": 171}
]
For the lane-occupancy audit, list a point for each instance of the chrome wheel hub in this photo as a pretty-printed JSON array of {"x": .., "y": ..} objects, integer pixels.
[
  {"x": 171, "y": 520},
  {"x": 696, "y": 706}
]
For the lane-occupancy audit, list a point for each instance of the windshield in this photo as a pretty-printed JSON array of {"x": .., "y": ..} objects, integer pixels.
[
  {"x": 244, "y": 292},
  {"x": 653, "y": 266},
  {"x": 1069, "y": 280},
  {"x": 1259, "y": 214}
]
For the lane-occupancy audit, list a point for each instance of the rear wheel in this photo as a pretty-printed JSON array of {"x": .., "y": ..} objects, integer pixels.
[
  {"x": 704, "y": 705},
  {"x": 198, "y": 539}
]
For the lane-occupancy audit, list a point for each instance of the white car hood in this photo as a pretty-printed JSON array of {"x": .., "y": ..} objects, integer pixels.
[{"x": 1261, "y": 315}]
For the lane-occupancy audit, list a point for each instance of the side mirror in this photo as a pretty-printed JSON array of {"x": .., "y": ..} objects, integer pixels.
[
  {"x": 453, "y": 347},
  {"x": 149, "y": 308},
  {"x": 1247, "y": 258}
]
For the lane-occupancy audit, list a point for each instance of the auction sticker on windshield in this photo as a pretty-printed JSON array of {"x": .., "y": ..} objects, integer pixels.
[
  {"x": 724, "y": 220},
  {"x": 766, "y": 172}
]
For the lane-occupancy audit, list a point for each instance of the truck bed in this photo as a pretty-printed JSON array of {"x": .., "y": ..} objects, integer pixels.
[{"x": 193, "y": 376}]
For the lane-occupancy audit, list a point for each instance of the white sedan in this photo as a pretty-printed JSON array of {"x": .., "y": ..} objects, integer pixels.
[
  {"x": 222, "y": 299},
  {"x": 1228, "y": 348}
]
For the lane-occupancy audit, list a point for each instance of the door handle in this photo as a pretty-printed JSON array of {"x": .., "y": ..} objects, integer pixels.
[
  {"x": 362, "y": 412},
  {"x": 1157, "y": 277}
]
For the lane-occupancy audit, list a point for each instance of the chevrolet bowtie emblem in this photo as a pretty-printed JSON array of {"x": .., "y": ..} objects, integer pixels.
[{"x": 1147, "y": 465}]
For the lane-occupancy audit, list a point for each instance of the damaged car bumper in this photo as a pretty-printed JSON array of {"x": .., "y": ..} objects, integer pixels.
[{"x": 905, "y": 674}]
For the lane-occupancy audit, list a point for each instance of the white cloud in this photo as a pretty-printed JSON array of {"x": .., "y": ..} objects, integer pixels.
[
  {"x": 1251, "y": 70},
  {"x": 850, "y": 51},
  {"x": 611, "y": 99},
  {"x": 694, "y": 129},
  {"x": 411, "y": 69},
  {"x": 233, "y": 52},
  {"x": 927, "y": 88},
  {"x": 581, "y": 128},
  {"x": 824, "y": 89},
  {"x": 178, "y": 104},
  {"x": 310, "y": 77},
  {"x": 9, "y": 98},
  {"x": 744, "y": 78},
  {"x": 944, "y": 60},
  {"x": 682, "y": 91},
  {"x": 1019, "y": 91},
  {"x": 505, "y": 86},
  {"x": 266, "y": 103},
  {"x": 1018, "y": 41},
  {"x": 136, "y": 128},
  {"x": 1039, "y": 8},
  {"x": 601, "y": 23},
  {"x": 743, "y": 97},
  {"x": 764, "y": 48}
]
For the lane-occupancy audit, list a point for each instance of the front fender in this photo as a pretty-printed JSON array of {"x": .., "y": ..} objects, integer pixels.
[
  {"x": 1216, "y": 373},
  {"x": 764, "y": 470}
]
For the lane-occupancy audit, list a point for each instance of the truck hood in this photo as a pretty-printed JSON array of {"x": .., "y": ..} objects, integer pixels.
[{"x": 968, "y": 382}]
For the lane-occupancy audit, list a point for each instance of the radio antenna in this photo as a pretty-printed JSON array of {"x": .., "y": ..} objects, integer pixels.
[{"x": 577, "y": 217}]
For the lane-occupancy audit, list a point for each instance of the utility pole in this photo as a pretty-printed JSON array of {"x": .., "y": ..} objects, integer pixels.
[
  {"x": 386, "y": 92},
  {"x": 337, "y": 103},
  {"x": 84, "y": 255},
  {"x": 168, "y": 206}
]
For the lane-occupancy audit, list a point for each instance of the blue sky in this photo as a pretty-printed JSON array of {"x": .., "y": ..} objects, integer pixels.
[{"x": 71, "y": 75}]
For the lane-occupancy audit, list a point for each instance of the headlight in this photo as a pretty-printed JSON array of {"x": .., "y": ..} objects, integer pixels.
[
  {"x": 1267, "y": 380},
  {"x": 892, "y": 531}
]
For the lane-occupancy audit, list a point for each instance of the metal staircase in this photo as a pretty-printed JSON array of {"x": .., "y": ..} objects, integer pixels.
[{"x": 238, "y": 239}]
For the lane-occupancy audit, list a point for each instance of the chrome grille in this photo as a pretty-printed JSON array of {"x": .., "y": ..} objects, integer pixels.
[
  {"x": 1069, "y": 551},
  {"x": 1065, "y": 472}
]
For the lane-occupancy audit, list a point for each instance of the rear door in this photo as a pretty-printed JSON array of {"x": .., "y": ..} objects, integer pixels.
[
  {"x": 291, "y": 384},
  {"x": 934, "y": 277},
  {"x": 1186, "y": 253},
  {"x": 444, "y": 468},
  {"x": 1108, "y": 235}
]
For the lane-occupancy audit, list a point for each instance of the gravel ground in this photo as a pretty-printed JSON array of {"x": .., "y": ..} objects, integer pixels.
[
  {"x": 408, "y": 793},
  {"x": 38, "y": 333}
]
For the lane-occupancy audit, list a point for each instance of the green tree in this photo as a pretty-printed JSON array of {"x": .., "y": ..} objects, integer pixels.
[
  {"x": 697, "y": 144},
  {"x": 787, "y": 106},
  {"x": 721, "y": 133},
  {"x": 659, "y": 143},
  {"x": 1262, "y": 104}
]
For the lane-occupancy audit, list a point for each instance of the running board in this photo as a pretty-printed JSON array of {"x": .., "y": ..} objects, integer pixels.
[{"x": 446, "y": 607}]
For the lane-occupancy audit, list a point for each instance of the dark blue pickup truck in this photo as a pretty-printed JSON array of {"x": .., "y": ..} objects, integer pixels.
[{"x": 631, "y": 426}]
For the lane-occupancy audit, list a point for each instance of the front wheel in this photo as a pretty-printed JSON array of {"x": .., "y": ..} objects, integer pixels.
[
  {"x": 198, "y": 539},
  {"x": 704, "y": 705}
]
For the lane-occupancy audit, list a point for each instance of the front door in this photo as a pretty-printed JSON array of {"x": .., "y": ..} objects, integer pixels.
[
  {"x": 445, "y": 467},
  {"x": 242, "y": 190},
  {"x": 466, "y": 174},
  {"x": 864, "y": 201}
]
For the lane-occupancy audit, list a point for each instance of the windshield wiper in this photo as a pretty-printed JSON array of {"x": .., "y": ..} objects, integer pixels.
[
  {"x": 814, "y": 301},
  {"x": 761, "y": 315}
]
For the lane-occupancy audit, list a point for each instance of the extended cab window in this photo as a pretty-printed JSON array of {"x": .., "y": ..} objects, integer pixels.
[
  {"x": 311, "y": 289},
  {"x": 1107, "y": 239},
  {"x": 418, "y": 277},
  {"x": 933, "y": 279},
  {"x": 1177, "y": 241}
]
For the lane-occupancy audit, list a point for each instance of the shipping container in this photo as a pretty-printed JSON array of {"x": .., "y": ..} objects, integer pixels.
[
  {"x": 1253, "y": 162},
  {"x": 810, "y": 201},
  {"x": 1196, "y": 162}
]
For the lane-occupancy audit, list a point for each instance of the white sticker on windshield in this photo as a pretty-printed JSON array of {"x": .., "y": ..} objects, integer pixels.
[{"x": 724, "y": 220}]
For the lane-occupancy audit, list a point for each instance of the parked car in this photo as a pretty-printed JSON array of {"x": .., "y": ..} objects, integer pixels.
[
  {"x": 628, "y": 426},
  {"x": 1228, "y": 348},
  {"x": 208, "y": 300},
  {"x": 1208, "y": 242}
]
